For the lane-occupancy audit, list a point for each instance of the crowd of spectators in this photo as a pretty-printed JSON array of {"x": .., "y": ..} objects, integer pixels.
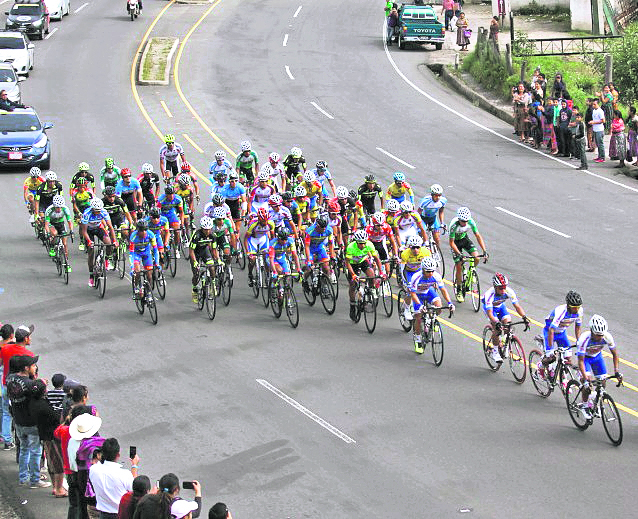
[
  {"x": 545, "y": 117},
  {"x": 57, "y": 431}
]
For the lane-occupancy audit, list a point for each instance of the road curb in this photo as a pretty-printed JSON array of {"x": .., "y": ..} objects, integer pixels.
[{"x": 167, "y": 70}]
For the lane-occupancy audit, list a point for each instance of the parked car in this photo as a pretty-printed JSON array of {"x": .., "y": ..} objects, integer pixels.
[
  {"x": 31, "y": 19},
  {"x": 23, "y": 139},
  {"x": 58, "y": 8},
  {"x": 9, "y": 81},
  {"x": 419, "y": 24},
  {"x": 16, "y": 49}
]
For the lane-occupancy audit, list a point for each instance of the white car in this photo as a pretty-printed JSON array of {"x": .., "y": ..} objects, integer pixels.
[
  {"x": 58, "y": 8},
  {"x": 16, "y": 49},
  {"x": 9, "y": 82}
]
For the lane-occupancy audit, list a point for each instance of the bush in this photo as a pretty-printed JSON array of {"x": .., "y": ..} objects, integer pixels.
[
  {"x": 542, "y": 10},
  {"x": 625, "y": 62}
]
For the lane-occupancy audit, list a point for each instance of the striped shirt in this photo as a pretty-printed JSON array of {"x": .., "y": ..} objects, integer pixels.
[{"x": 55, "y": 398}]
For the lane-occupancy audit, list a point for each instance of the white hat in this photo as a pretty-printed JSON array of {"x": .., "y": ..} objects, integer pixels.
[
  {"x": 181, "y": 508},
  {"x": 84, "y": 426}
]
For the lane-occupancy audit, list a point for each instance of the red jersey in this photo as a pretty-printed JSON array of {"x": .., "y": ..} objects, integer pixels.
[
  {"x": 8, "y": 351},
  {"x": 377, "y": 234}
]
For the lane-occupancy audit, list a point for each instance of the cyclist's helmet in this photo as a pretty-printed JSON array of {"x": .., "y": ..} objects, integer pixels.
[
  {"x": 218, "y": 199},
  {"x": 428, "y": 264},
  {"x": 321, "y": 164},
  {"x": 360, "y": 236},
  {"x": 83, "y": 166},
  {"x": 296, "y": 152},
  {"x": 154, "y": 213},
  {"x": 169, "y": 138},
  {"x": 286, "y": 196},
  {"x": 109, "y": 162},
  {"x": 274, "y": 157},
  {"x": 463, "y": 213},
  {"x": 169, "y": 190},
  {"x": 245, "y": 146},
  {"x": 81, "y": 181},
  {"x": 220, "y": 155},
  {"x": 300, "y": 191},
  {"x": 186, "y": 167},
  {"x": 393, "y": 205},
  {"x": 436, "y": 189},
  {"x": 333, "y": 206},
  {"x": 283, "y": 233},
  {"x": 142, "y": 225},
  {"x": 597, "y": 324},
  {"x": 378, "y": 218},
  {"x": 275, "y": 199},
  {"x": 262, "y": 213},
  {"x": 309, "y": 177},
  {"x": 263, "y": 176},
  {"x": 370, "y": 179},
  {"x": 499, "y": 280},
  {"x": 220, "y": 175},
  {"x": 109, "y": 190},
  {"x": 414, "y": 241},
  {"x": 406, "y": 206},
  {"x": 147, "y": 168},
  {"x": 125, "y": 171},
  {"x": 35, "y": 172},
  {"x": 321, "y": 222},
  {"x": 342, "y": 192},
  {"x": 58, "y": 201},
  {"x": 51, "y": 176},
  {"x": 206, "y": 222},
  {"x": 219, "y": 212},
  {"x": 399, "y": 177},
  {"x": 96, "y": 204},
  {"x": 573, "y": 299},
  {"x": 233, "y": 176},
  {"x": 353, "y": 194},
  {"x": 184, "y": 178}
]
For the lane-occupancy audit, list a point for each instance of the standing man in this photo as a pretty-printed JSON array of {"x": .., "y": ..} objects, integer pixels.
[
  {"x": 448, "y": 10},
  {"x": 6, "y": 338},
  {"x": 564, "y": 117},
  {"x": 597, "y": 124}
]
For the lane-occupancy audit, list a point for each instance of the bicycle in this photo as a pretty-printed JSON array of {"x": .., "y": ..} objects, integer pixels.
[
  {"x": 470, "y": 281},
  {"x": 185, "y": 233},
  {"x": 509, "y": 347},
  {"x": 435, "y": 250},
  {"x": 282, "y": 296},
  {"x": 559, "y": 375},
  {"x": 385, "y": 293},
  {"x": 59, "y": 258},
  {"x": 120, "y": 254},
  {"x": 206, "y": 292},
  {"x": 99, "y": 268},
  {"x": 224, "y": 275},
  {"x": 431, "y": 331},
  {"x": 318, "y": 284},
  {"x": 170, "y": 251},
  {"x": 260, "y": 278},
  {"x": 159, "y": 281},
  {"x": 603, "y": 407},
  {"x": 403, "y": 294},
  {"x": 143, "y": 295},
  {"x": 365, "y": 302},
  {"x": 239, "y": 254}
]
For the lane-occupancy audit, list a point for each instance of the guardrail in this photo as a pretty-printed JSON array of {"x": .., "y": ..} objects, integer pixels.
[{"x": 563, "y": 46}]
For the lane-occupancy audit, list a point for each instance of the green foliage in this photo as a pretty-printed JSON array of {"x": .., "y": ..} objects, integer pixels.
[
  {"x": 625, "y": 62},
  {"x": 542, "y": 10},
  {"x": 521, "y": 46}
]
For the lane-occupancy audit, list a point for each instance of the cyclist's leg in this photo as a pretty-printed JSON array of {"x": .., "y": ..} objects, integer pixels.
[{"x": 417, "y": 322}]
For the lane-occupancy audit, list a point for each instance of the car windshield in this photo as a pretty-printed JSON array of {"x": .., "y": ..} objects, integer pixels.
[
  {"x": 7, "y": 76},
  {"x": 419, "y": 15},
  {"x": 11, "y": 43},
  {"x": 28, "y": 10},
  {"x": 19, "y": 122}
]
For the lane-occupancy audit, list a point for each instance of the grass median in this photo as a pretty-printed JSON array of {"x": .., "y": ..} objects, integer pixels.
[{"x": 155, "y": 59}]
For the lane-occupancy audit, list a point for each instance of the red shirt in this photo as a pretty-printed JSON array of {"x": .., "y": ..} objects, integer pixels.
[
  {"x": 8, "y": 351},
  {"x": 125, "y": 506},
  {"x": 62, "y": 434},
  {"x": 378, "y": 235}
]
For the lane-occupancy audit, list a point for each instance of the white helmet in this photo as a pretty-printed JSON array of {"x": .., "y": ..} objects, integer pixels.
[
  {"x": 263, "y": 176},
  {"x": 184, "y": 178},
  {"x": 219, "y": 154},
  {"x": 463, "y": 213},
  {"x": 428, "y": 264},
  {"x": 51, "y": 176},
  {"x": 360, "y": 235},
  {"x": 309, "y": 176},
  {"x": 97, "y": 204},
  {"x": 300, "y": 191},
  {"x": 266, "y": 168},
  {"x": 219, "y": 212},
  {"x": 393, "y": 205},
  {"x": 245, "y": 145},
  {"x": 406, "y": 205},
  {"x": 206, "y": 222},
  {"x": 35, "y": 171},
  {"x": 295, "y": 152},
  {"x": 342, "y": 192},
  {"x": 58, "y": 201},
  {"x": 378, "y": 217},
  {"x": 597, "y": 324},
  {"x": 436, "y": 189},
  {"x": 274, "y": 156},
  {"x": 147, "y": 168},
  {"x": 414, "y": 241}
]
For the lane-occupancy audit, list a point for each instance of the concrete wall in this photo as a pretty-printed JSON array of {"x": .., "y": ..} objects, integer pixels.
[{"x": 582, "y": 15}]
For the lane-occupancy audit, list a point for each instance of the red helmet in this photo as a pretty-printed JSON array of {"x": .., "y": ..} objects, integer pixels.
[
  {"x": 333, "y": 206},
  {"x": 262, "y": 213},
  {"x": 125, "y": 171},
  {"x": 186, "y": 167},
  {"x": 499, "y": 280}
]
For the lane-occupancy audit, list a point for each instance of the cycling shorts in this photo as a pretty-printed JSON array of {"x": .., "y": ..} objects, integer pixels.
[
  {"x": 222, "y": 242},
  {"x": 59, "y": 227},
  {"x": 401, "y": 198},
  {"x": 559, "y": 338},
  {"x": 255, "y": 206},
  {"x": 33, "y": 192},
  {"x": 149, "y": 197},
  {"x": 499, "y": 311},
  {"x": 318, "y": 253},
  {"x": 233, "y": 205},
  {"x": 596, "y": 365},
  {"x": 464, "y": 244},
  {"x": 248, "y": 174},
  {"x": 404, "y": 234},
  {"x": 381, "y": 250},
  {"x": 283, "y": 262},
  {"x": 129, "y": 199},
  {"x": 434, "y": 223},
  {"x": 172, "y": 167},
  {"x": 158, "y": 240},
  {"x": 172, "y": 218},
  {"x": 118, "y": 220},
  {"x": 145, "y": 259},
  {"x": 96, "y": 232},
  {"x": 204, "y": 255},
  {"x": 257, "y": 244},
  {"x": 358, "y": 268},
  {"x": 427, "y": 297}
]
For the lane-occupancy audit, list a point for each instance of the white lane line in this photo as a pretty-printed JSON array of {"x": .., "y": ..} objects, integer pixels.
[
  {"x": 297, "y": 11},
  {"x": 168, "y": 112},
  {"x": 493, "y": 132},
  {"x": 285, "y": 40},
  {"x": 51, "y": 33},
  {"x": 321, "y": 110},
  {"x": 305, "y": 411},
  {"x": 81, "y": 7},
  {"x": 533, "y": 222},
  {"x": 192, "y": 142},
  {"x": 396, "y": 158},
  {"x": 4, "y": 1},
  {"x": 289, "y": 73}
]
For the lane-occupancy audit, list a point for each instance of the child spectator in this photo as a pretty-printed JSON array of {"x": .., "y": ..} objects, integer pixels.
[
  {"x": 128, "y": 503},
  {"x": 579, "y": 141},
  {"x": 56, "y": 395}
]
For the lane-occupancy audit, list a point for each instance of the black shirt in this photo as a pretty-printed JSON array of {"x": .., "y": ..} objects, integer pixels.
[
  {"x": 46, "y": 418},
  {"x": 115, "y": 208},
  {"x": 148, "y": 183},
  {"x": 368, "y": 196},
  {"x": 19, "y": 392}
]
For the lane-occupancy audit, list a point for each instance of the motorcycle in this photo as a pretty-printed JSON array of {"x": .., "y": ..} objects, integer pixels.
[{"x": 133, "y": 9}]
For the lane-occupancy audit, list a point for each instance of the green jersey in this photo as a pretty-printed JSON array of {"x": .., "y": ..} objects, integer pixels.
[
  {"x": 356, "y": 255},
  {"x": 57, "y": 214},
  {"x": 458, "y": 231},
  {"x": 110, "y": 178},
  {"x": 225, "y": 229},
  {"x": 244, "y": 162}
]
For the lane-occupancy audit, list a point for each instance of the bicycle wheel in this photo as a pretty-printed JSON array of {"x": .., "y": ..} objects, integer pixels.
[
  {"x": 121, "y": 261},
  {"x": 406, "y": 324},
  {"x": 150, "y": 302},
  {"x": 240, "y": 258},
  {"x": 386, "y": 295},
  {"x": 611, "y": 419},
  {"x": 65, "y": 269},
  {"x": 263, "y": 285},
  {"x": 567, "y": 373},
  {"x": 573, "y": 399},
  {"x": 436, "y": 341},
  {"x": 183, "y": 244},
  {"x": 308, "y": 290},
  {"x": 226, "y": 285},
  {"x": 202, "y": 293},
  {"x": 292, "y": 308},
  {"x": 541, "y": 384},
  {"x": 475, "y": 291},
  {"x": 171, "y": 259},
  {"x": 100, "y": 274},
  {"x": 517, "y": 360},
  {"x": 369, "y": 312},
  {"x": 211, "y": 301},
  {"x": 438, "y": 257},
  {"x": 335, "y": 284},
  {"x": 275, "y": 301},
  {"x": 139, "y": 301},
  {"x": 58, "y": 262},
  {"x": 160, "y": 282},
  {"x": 487, "y": 349},
  {"x": 255, "y": 287},
  {"x": 327, "y": 294}
]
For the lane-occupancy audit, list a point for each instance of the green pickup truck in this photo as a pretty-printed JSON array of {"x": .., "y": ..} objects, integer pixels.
[{"x": 419, "y": 24}]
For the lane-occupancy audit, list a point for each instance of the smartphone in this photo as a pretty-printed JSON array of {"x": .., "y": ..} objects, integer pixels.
[
  {"x": 132, "y": 451},
  {"x": 188, "y": 485}
]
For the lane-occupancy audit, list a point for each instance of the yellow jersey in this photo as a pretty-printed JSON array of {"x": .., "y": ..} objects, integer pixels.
[
  {"x": 33, "y": 183},
  {"x": 411, "y": 260}
]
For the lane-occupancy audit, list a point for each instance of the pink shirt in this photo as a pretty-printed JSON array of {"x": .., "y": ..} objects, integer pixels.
[
  {"x": 448, "y": 5},
  {"x": 617, "y": 126}
]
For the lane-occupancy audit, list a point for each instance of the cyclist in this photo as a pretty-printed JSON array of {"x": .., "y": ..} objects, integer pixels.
[
  {"x": 218, "y": 201},
  {"x": 408, "y": 223},
  {"x": 184, "y": 191},
  {"x": 589, "y": 350},
  {"x": 235, "y": 195},
  {"x": 378, "y": 231},
  {"x": 347, "y": 207},
  {"x": 313, "y": 192},
  {"x": 357, "y": 254},
  {"x": 46, "y": 191},
  {"x": 460, "y": 241},
  {"x": 30, "y": 188},
  {"x": 224, "y": 233},
  {"x": 493, "y": 302},
  {"x": 260, "y": 194},
  {"x": 81, "y": 198},
  {"x": 399, "y": 190},
  {"x": 130, "y": 190},
  {"x": 555, "y": 330},
  {"x": 280, "y": 248},
  {"x": 143, "y": 252},
  {"x": 56, "y": 217},
  {"x": 431, "y": 211},
  {"x": 368, "y": 193},
  {"x": 280, "y": 215},
  {"x": 423, "y": 291},
  {"x": 294, "y": 165},
  {"x": 220, "y": 166},
  {"x": 278, "y": 174},
  {"x": 392, "y": 211},
  {"x": 187, "y": 170},
  {"x": 247, "y": 164},
  {"x": 335, "y": 221},
  {"x": 318, "y": 235},
  {"x": 257, "y": 238},
  {"x": 96, "y": 223},
  {"x": 168, "y": 154},
  {"x": 109, "y": 174},
  {"x": 172, "y": 206},
  {"x": 323, "y": 176},
  {"x": 83, "y": 172},
  {"x": 411, "y": 259},
  {"x": 158, "y": 224},
  {"x": 203, "y": 248},
  {"x": 150, "y": 184},
  {"x": 118, "y": 212},
  {"x": 218, "y": 183}
]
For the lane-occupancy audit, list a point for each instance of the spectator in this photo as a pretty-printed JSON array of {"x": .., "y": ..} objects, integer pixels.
[
  {"x": 618, "y": 138},
  {"x": 158, "y": 506},
  {"x": 494, "y": 28},
  {"x": 128, "y": 503},
  {"x": 564, "y": 117},
  {"x": 47, "y": 420},
  {"x": 579, "y": 141},
  {"x": 79, "y": 396},
  {"x": 591, "y": 143},
  {"x": 537, "y": 91},
  {"x": 56, "y": 395},
  {"x": 6, "y": 104},
  {"x": 572, "y": 134},
  {"x": 219, "y": 511},
  {"x": 6, "y": 338},
  {"x": 606, "y": 103},
  {"x": 388, "y": 8},
  {"x": 19, "y": 386},
  {"x": 632, "y": 124},
  {"x": 448, "y": 10},
  {"x": 82, "y": 427},
  {"x": 462, "y": 31},
  {"x": 549, "y": 137},
  {"x": 521, "y": 100},
  {"x": 598, "y": 127},
  {"x": 393, "y": 23},
  {"x": 182, "y": 509},
  {"x": 615, "y": 94},
  {"x": 67, "y": 403},
  {"x": 543, "y": 81},
  {"x": 109, "y": 480},
  {"x": 559, "y": 90}
]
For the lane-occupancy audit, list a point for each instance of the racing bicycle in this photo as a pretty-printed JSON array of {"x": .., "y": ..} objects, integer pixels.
[
  {"x": 143, "y": 295},
  {"x": 470, "y": 281},
  {"x": 435, "y": 250},
  {"x": 99, "y": 268},
  {"x": 431, "y": 332},
  {"x": 558, "y": 373},
  {"x": 59, "y": 257},
  {"x": 365, "y": 302},
  {"x": 206, "y": 291},
  {"x": 282, "y": 297},
  {"x": 510, "y": 347},
  {"x": 317, "y": 284}
]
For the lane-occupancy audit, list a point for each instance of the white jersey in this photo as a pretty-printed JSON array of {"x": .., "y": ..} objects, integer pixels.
[
  {"x": 171, "y": 155},
  {"x": 421, "y": 284},
  {"x": 492, "y": 300},
  {"x": 590, "y": 348},
  {"x": 560, "y": 319}
]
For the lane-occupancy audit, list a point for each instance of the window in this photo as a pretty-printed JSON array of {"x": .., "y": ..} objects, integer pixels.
[{"x": 7, "y": 42}]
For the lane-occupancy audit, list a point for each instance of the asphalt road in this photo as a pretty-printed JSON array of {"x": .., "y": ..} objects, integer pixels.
[{"x": 411, "y": 440}]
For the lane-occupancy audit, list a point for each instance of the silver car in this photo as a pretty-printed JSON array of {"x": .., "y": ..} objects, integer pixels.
[
  {"x": 16, "y": 49},
  {"x": 10, "y": 82}
]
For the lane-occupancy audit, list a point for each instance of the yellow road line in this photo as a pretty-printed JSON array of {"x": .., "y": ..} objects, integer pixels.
[
  {"x": 168, "y": 112},
  {"x": 193, "y": 143}
]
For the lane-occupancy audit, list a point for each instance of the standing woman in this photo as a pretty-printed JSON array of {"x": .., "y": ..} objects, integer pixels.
[
  {"x": 521, "y": 101},
  {"x": 618, "y": 138},
  {"x": 615, "y": 94},
  {"x": 632, "y": 124},
  {"x": 462, "y": 39},
  {"x": 606, "y": 103}
]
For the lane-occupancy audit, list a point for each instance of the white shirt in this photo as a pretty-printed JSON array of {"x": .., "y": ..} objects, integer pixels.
[
  {"x": 110, "y": 482},
  {"x": 598, "y": 115},
  {"x": 72, "y": 451}
]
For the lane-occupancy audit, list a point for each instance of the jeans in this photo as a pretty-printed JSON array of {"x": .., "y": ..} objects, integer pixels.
[
  {"x": 580, "y": 147},
  {"x": 598, "y": 137},
  {"x": 30, "y": 454},
  {"x": 389, "y": 33},
  {"x": 449, "y": 14},
  {"x": 7, "y": 420}
]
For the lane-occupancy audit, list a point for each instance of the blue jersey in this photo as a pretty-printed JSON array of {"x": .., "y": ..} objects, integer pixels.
[
  {"x": 588, "y": 347},
  {"x": 142, "y": 246},
  {"x": 493, "y": 300},
  {"x": 157, "y": 227},
  {"x": 93, "y": 220},
  {"x": 225, "y": 167},
  {"x": 233, "y": 193},
  {"x": 560, "y": 318},
  {"x": 429, "y": 209},
  {"x": 318, "y": 238},
  {"x": 122, "y": 189},
  {"x": 323, "y": 178},
  {"x": 280, "y": 249},
  {"x": 170, "y": 206},
  {"x": 216, "y": 189}
]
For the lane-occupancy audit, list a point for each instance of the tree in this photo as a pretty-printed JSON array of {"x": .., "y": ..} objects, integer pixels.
[{"x": 625, "y": 55}]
